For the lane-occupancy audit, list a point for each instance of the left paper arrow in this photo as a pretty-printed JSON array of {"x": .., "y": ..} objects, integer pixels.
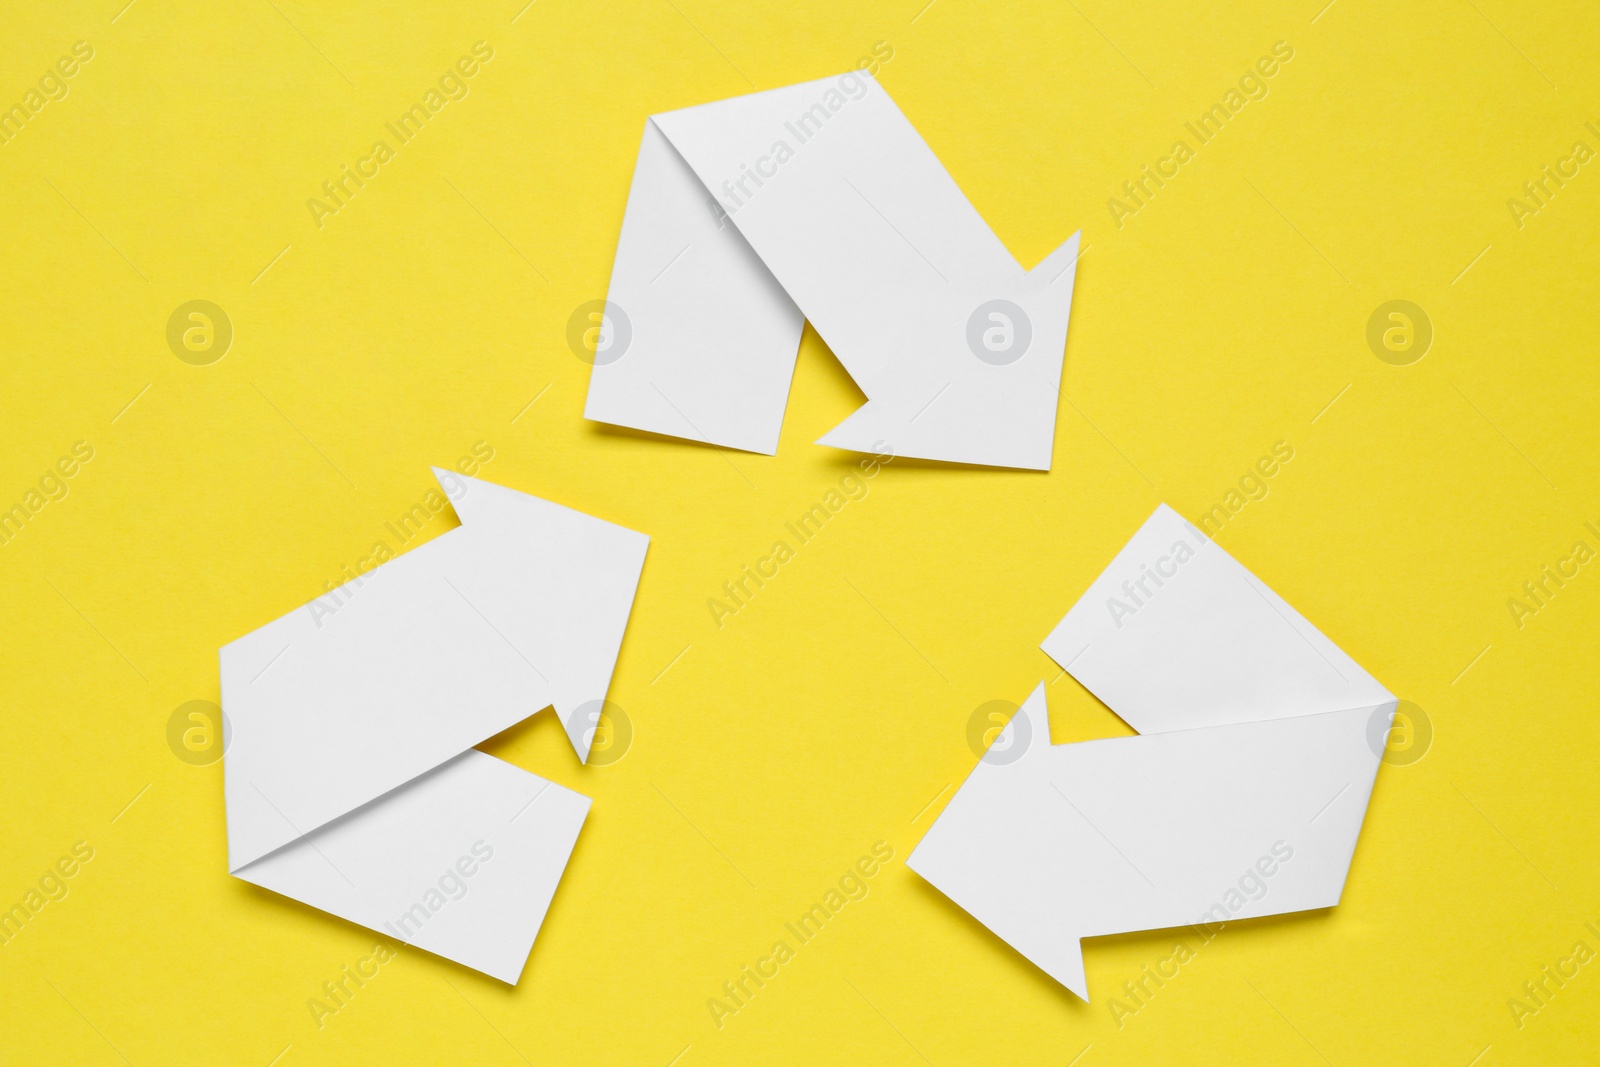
[{"x": 348, "y": 777}]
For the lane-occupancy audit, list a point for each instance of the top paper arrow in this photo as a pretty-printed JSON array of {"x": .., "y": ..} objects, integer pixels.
[{"x": 821, "y": 202}]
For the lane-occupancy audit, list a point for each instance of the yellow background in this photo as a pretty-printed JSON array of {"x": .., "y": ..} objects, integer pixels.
[{"x": 832, "y": 711}]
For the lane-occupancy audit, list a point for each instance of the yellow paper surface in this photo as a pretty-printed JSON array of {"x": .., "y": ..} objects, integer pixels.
[{"x": 1218, "y": 315}]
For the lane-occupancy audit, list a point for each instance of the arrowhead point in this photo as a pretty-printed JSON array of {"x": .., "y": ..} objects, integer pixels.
[
  {"x": 982, "y": 850},
  {"x": 595, "y": 585},
  {"x": 956, "y": 406}
]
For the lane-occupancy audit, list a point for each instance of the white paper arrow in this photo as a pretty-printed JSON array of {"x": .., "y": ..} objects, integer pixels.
[
  {"x": 821, "y": 202},
  {"x": 345, "y": 780},
  {"x": 1243, "y": 796}
]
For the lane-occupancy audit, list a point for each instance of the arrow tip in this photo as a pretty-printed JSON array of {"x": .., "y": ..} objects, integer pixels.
[
  {"x": 983, "y": 850},
  {"x": 588, "y": 571}
]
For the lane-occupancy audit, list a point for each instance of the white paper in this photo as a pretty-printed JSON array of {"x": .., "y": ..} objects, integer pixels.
[
  {"x": 1255, "y": 755},
  {"x": 705, "y": 344},
  {"x": 339, "y": 710},
  {"x": 462, "y": 862},
  {"x": 1169, "y": 642},
  {"x": 828, "y": 186}
]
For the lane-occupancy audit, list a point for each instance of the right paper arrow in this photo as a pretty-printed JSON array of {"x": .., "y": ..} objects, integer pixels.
[
  {"x": 1243, "y": 795},
  {"x": 821, "y": 200}
]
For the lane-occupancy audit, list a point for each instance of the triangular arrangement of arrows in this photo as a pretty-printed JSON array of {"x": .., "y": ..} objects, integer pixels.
[
  {"x": 821, "y": 202},
  {"x": 1242, "y": 796},
  {"x": 350, "y": 776}
]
